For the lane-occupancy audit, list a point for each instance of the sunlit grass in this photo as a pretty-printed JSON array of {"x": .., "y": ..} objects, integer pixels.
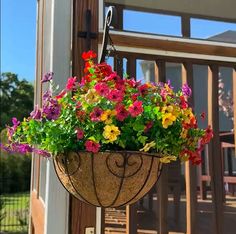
[{"x": 16, "y": 208}]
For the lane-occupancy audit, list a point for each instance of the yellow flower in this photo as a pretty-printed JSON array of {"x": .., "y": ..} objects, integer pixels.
[
  {"x": 148, "y": 146},
  {"x": 184, "y": 133},
  {"x": 168, "y": 159},
  {"x": 91, "y": 97},
  {"x": 107, "y": 116},
  {"x": 188, "y": 114},
  {"x": 111, "y": 132},
  {"x": 167, "y": 120}
]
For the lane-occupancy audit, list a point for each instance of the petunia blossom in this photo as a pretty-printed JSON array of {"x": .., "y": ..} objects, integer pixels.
[
  {"x": 136, "y": 109},
  {"x": 47, "y": 77},
  {"x": 92, "y": 146},
  {"x": 186, "y": 90}
]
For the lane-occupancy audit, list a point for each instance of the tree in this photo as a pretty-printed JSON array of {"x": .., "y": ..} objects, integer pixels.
[{"x": 16, "y": 98}]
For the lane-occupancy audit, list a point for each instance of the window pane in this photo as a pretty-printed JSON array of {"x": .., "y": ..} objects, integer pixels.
[
  {"x": 213, "y": 30},
  {"x": 152, "y": 23}
]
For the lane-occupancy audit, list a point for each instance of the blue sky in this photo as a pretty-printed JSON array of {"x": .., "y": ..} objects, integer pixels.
[{"x": 18, "y": 32}]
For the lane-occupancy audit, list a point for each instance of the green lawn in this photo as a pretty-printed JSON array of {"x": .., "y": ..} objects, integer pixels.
[{"x": 16, "y": 208}]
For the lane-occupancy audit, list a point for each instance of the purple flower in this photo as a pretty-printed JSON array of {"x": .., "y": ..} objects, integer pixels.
[
  {"x": 51, "y": 109},
  {"x": 186, "y": 90},
  {"x": 36, "y": 113},
  {"x": 21, "y": 148},
  {"x": 47, "y": 77},
  {"x": 6, "y": 148},
  {"x": 43, "y": 153},
  {"x": 169, "y": 84},
  {"x": 47, "y": 95},
  {"x": 15, "y": 122}
]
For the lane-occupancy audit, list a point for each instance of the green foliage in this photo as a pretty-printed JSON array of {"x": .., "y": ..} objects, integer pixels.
[{"x": 17, "y": 98}]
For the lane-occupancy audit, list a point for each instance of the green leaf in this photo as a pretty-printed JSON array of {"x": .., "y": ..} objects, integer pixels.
[
  {"x": 138, "y": 126},
  {"x": 142, "y": 139}
]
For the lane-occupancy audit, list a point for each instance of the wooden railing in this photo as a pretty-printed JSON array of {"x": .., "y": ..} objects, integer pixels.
[{"x": 187, "y": 53}]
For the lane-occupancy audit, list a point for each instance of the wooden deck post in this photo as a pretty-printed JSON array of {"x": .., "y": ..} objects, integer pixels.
[
  {"x": 185, "y": 26},
  {"x": 162, "y": 185},
  {"x": 81, "y": 214},
  {"x": 234, "y": 101},
  {"x": 162, "y": 194},
  {"x": 190, "y": 170},
  {"x": 215, "y": 160},
  {"x": 131, "y": 219}
]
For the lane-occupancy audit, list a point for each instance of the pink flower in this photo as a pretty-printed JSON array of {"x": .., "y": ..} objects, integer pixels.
[
  {"x": 80, "y": 134},
  {"x": 112, "y": 76},
  {"x": 70, "y": 83},
  {"x": 115, "y": 95},
  {"x": 136, "y": 108},
  {"x": 132, "y": 82},
  {"x": 102, "y": 89},
  {"x": 95, "y": 115},
  {"x": 121, "y": 112},
  {"x": 120, "y": 86},
  {"x": 92, "y": 146}
]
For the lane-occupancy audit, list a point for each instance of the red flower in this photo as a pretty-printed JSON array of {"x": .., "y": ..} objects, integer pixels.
[
  {"x": 121, "y": 112},
  {"x": 81, "y": 115},
  {"x": 92, "y": 146},
  {"x": 89, "y": 55},
  {"x": 136, "y": 108},
  {"x": 208, "y": 136},
  {"x": 195, "y": 158},
  {"x": 134, "y": 96},
  {"x": 70, "y": 83},
  {"x": 115, "y": 96},
  {"x": 143, "y": 89},
  {"x": 80, "y": 134},
  {"x": 183, "y": 102},
  {"x": 61, "y": 94},
  {"x": 104, "y": 69},
  {"x": 148, "y": 126},
  {"x": 203, "y": 115},
  {"x": 95, "y": 115}
]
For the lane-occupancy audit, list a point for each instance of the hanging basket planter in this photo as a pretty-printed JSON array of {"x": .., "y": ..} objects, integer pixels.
[{"x": 108, "y": 179}]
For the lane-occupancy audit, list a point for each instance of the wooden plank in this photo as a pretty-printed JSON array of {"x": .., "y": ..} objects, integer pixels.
[
  {"x": 162, "y": 183},
  {"x": 234, "y": 101},
  {"x": 81, "y": 214},
  {"x": 131, "y": 219},
  {"x": 185, "y": 26},
  {"x": 131, "y": 66},
  {"x": 190, "y": 170},
  {"x": 162, "y": 194},
  {"x": 215, "y": 159},
  {"x": 174, "y": 59},
  {"x": 37, "y": 213},
  {"x": 79, "y": 24},
  {"x": 171, "y": 44},
  {"x": 118, "y": 64},
  {"x": 160, "y": 71}
]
